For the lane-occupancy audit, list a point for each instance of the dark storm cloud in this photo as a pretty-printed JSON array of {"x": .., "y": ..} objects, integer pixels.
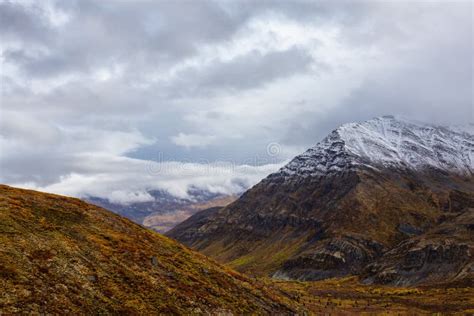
[
  {"x": 147, "y": 33},
  {"x": 40, "y": 65},
  {"x": 249, "y": 71},
  {"x": 17, "y": 22}
]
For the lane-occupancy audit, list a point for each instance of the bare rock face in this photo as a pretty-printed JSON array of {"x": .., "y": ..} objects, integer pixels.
[
  {"x": 333, "y": 257},
  {"x": 445, "y": 253},
  {"x": 365, "y": 190}
]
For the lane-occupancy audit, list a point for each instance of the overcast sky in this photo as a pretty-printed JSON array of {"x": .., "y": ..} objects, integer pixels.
[{"x": 94, "y": 91}]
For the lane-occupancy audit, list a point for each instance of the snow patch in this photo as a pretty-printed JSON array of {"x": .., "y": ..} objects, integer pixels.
[{"x": 388, "y": 141}]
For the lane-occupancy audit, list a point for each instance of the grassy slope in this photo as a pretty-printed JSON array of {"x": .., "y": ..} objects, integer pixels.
[
  {"x": 346, "y": 296},
  {"x": 62, "y": 255}
]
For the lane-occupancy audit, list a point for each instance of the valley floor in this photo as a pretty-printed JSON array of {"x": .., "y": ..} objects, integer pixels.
[{"x": 348, "y": 297}]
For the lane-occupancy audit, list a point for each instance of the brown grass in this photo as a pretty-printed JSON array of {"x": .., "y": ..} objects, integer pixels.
[{"x": 61, "y": 255}]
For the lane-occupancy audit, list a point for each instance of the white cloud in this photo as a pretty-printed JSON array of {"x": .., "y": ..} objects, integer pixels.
[
  {"x": 127, "y": 197},
  {"x": 193, "y": 140},
  {"x": 82, "y": 162},
  {"x": 127, "y": 180}
]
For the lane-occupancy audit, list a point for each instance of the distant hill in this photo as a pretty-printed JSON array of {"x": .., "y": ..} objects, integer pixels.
[
  {"x": 165, "y": 211},
  {"x": 165, "y": 221},
  {"x": 60, "y": 255},
  {"x": 388, "y": 199}
]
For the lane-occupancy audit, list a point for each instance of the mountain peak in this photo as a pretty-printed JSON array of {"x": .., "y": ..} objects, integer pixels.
[
  {"x": 388, "y": 142},
  {"x": 320, "y": 217}
]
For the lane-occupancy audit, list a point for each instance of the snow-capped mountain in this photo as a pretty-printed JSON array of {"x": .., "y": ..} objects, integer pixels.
[
  {"x": 388, "y": 141},
  {"x": 340, "y": 207}
]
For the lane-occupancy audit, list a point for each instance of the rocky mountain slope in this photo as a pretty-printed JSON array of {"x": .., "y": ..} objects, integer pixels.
[
  {"x": 60, "y": 255},
  {"x": 443, "y": 253},
  {"x": 365, "y": 190}
]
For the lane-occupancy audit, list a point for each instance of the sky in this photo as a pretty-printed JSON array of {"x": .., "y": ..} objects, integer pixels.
[{"x": 116, "y": 98}]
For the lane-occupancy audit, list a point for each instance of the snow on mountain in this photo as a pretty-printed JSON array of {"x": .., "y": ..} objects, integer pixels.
[{"x": 388, "y": 141}]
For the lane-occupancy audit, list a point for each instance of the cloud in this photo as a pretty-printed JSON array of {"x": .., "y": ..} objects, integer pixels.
[
  {"x": 81, "y": 162},
  {"x": 94, "y": 93},
  {"x": 96, "y": 33},
  {"x": 127, "y": 180},
  {"x": 192, "y": 140},
  {"x": 33, "y": 150},
  {"x": 248, "y": 71},
  {"x": 20, "y": 22}
]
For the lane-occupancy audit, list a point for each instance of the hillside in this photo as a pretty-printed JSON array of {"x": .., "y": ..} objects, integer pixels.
[
  {"x": 60, "y": 255},
  {"x": 364, "y": 190}
]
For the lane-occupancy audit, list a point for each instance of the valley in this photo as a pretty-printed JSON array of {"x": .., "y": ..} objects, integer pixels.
[
  {"x": 354, "y": 225},
  {"x": 83, "y": 259},
  {"x": 236, "y": 157},
  {"x": 165, "y": 211},
  {"x": 347, "y": 296}
]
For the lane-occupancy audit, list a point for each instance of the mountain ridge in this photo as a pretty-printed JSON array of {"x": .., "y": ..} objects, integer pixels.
[
  {"x": 388, "y": 141},
  {"x": 332, "y": 210}
]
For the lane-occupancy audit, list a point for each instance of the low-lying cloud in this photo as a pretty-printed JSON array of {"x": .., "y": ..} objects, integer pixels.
[{"x": 126, "y": 180}]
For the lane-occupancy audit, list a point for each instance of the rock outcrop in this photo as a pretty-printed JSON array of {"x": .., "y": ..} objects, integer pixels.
[{"x": 445, "y": 253}]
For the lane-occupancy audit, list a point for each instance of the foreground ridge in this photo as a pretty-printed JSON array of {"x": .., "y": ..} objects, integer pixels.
[{"x": 61, "y": 255}]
